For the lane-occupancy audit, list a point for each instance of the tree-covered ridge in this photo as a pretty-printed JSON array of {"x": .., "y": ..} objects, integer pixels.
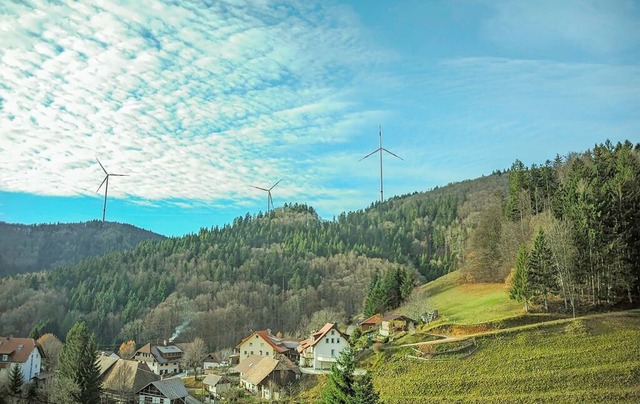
[
  {"x": 30, "y": 248},
  {"x": 286, "y": 271},
  {"x": 576, "y": 225}
]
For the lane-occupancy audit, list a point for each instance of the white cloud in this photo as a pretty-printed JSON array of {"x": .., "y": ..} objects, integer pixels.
[{"x": 194, "y": 102}]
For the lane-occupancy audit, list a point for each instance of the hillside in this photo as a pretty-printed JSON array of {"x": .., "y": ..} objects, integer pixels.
[
  {"x": 495, "y": 353},
  {"x": 297, "y": 267},
  {"x": 29, "y": 248}
]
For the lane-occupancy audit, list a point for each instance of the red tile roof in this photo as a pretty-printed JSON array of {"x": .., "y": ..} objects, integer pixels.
[
  {"x": 18, "y": 349},
  {"x": 278, "y": 344},
  {"x": 373, "y": 320},
  {"x": 318, "y": 335}
]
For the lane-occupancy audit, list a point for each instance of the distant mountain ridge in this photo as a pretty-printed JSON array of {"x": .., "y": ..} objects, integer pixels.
[{"x": 28, "y": 248}]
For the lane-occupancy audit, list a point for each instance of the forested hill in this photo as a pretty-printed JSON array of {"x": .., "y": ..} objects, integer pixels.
[
  {"x": 286, "y": 271},
  {"x": 28, "y": 248}
]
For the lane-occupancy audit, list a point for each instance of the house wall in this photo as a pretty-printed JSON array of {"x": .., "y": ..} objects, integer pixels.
[
  {"x": 255, "y": 345},
  {"x": 154, "y": 400},
  {"x": 32, "y": 366},
  {"x": 328, "y": 349}
]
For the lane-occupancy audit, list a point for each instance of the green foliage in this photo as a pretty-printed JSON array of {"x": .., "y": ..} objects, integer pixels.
[
  {"x": 521, "y": 288},
  {"x": 344, "y": 387},
  {"x": 28, "y": 248},
  {"x": 15, "y": 380},
  {"x": 388, "y": 292},
  {"x": 542, "y": 272},
  {"x": 79, "y": 362},
  {"x": 365, "y": 393},
  {"x": 340, "y": 387}
]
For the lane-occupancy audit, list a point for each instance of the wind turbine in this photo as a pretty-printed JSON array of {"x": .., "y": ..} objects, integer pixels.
[
  {"x": 380, "y": 150},
  {"x": 268, "y": 191},
  {"x": 105, "y": 182}
]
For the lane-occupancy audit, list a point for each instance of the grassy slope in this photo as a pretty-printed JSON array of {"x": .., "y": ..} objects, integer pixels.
[
  {"x": 590, "y": 359},
  {"x": 468, "y": 303},
  {"x": 594, "y": 359}
]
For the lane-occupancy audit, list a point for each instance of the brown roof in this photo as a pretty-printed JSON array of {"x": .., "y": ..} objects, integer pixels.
[
  {"x": 122, "y": 374},
  {"x": 260, "y": 370},
  {"x": 18, "y": 349},
  {"x": 278, "y": 344},
  {"x": 248, "y": 363},
  {"x": 373, "y": 320},
  {"x": 395, "y": 316}
]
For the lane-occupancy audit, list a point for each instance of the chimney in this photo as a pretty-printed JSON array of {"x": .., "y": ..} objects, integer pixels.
[{"x": 165, "y": 342}]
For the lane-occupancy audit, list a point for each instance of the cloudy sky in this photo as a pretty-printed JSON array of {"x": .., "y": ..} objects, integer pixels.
[{"x": 199, "y": 100}]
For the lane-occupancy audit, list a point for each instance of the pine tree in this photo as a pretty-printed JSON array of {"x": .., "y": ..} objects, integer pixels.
[
  {"x": 16, "y": 380},
  {"x": 340, "y": 388},
  {"x": 365, "y": 393},
  {"x": 520, "y": 288},
  {"x": 542, "y": 274},
  {"x": 78, "y": 362}
]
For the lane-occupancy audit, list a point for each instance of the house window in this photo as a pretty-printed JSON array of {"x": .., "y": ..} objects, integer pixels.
[
  {"x": 245, "y": 352},
  {"x": 267, "y": 353},
  {"x": 5, "y": 358},
  {"x": 251, "y": 352},
  {"x": 337, "y": 340},
  {"x": 250, "y": 343},
  {"x": 327, "y": 340},
  {"x": 333, "y": 332},
  {"x": 333, "y": 353},
  {"x": 332, "y": 340}
]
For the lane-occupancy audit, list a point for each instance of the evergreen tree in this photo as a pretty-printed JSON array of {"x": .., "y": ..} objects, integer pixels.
[
  {"x": 520, "y": 288},
  {"x": 365, "y": 393},
  {"x": 16, "y": 380},
  {"x": 542, "y": 276},
  {"x": 78, "y": 362},
  {"x": 340, "y": 388}
]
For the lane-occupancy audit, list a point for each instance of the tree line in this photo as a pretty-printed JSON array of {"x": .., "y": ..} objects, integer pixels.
[{"x": 567, "y": 230}]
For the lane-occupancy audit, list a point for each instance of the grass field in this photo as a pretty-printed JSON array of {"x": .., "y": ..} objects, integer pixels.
[
  {"x": 595, "y": 359},
  {"x": 468, "y": 303},
  {"x": 518, "y": 359}
]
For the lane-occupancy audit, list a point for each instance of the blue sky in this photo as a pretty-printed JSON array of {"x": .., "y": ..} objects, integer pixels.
[{"x": 199, "y": 100}]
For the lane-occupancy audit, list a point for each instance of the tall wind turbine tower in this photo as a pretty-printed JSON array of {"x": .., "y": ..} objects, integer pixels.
[
  {"x": 380, "y": 149},
  {"x": 105, "y": 182},
  {"x": 268, "y": 191}
]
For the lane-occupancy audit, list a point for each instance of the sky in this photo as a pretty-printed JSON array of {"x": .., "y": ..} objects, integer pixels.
[{"x": 200, "y": 101}]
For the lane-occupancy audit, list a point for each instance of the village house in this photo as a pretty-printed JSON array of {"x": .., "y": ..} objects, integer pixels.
[
  {"x": 392, "y": 322},
  {"x": 265, "y": 344},
  {"x": 24, "y": 352},
  {"x": 162, "y": 359},
  {"x": 370, "y": 324},
  {"x": 168, "y": 391},
  {"x": 122, "y": 379},
  {"x": 217, "y": 385},
  {"x": 268, "y": 376},
  {"x": 323, "y": 347},
  {"x": 211, "y": 361}
]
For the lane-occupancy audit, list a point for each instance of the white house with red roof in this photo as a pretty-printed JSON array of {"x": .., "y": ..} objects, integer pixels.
[
  {"x": 25, "y": 352},
  {"x": 323, "y": 347},
  {"x": 263, "y": 343}
]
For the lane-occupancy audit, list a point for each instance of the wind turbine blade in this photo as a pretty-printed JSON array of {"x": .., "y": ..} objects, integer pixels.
[
  {"x": 119, "y": 175},
  {"x": 105, "y": 171},
  {"x": 393, "y": 154},
  {"x": 103, "y": 181},
  {"x": 274, "y": 185},
  {"x": 261, "y": 189},
  {"x": 375, "y": 151}
]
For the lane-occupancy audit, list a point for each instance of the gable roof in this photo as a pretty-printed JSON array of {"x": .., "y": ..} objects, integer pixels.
[
  {"x": 248, "y": 363},
  {"x": 18, "y": 349},
  {"x": 318, "y": 335},
  {"x": 213, "y": 380},
  {"x": 373, "y": 320},
  {"x": 119, "y": 374},
  {"x": 395, "y": 316},
  {"x": 159, "y": 350},
  {"x": 170, "y": 388},
  {"x": 278, "y": 344},
  {"x": 260, "y": 371}
]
